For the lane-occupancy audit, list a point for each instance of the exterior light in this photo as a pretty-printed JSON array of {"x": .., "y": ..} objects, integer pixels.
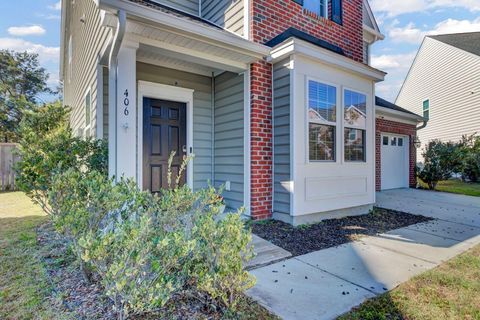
[{"x": 416, "y": 142}]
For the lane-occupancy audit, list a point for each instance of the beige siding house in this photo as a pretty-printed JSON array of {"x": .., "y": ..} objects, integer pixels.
[{"x": 443, "y": 85}]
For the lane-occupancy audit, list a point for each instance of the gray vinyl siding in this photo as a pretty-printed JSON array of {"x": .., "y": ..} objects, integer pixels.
[
  {"x": 229, "y": 144},
  {"x": 281, "y": 136},
  {"x": 105, "y": 103},
  {"x": 88, "y": 39},
  {"x": 188, "y": 6},
  {"x": 446, "y": 76},
  {"x": 202, "y": 114},
  {"x": 225, "y": 13}
]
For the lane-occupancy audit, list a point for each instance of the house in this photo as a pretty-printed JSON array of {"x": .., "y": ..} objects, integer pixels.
[
  {"x": 275, "y": 99},
  {"x": 443, "y": 85}
]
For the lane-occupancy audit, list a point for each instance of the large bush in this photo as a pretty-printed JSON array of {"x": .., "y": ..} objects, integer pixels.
[
  {"x": 433, "y": 169},
  {"x": 148, "y": 249},
  {"x": 47, "y": 146},
  {"x": 470, "y": 158}
]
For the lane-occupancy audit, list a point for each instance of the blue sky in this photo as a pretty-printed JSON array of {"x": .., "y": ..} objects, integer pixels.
[{"x": 34, "y": 25}]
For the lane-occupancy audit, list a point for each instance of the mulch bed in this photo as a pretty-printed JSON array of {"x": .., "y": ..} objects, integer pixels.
[
  {"x": 84, "y": 301},
  {"x": 333, "y": 232}
]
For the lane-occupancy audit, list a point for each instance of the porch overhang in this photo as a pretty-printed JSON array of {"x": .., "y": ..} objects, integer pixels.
[
  {"x": 174, "y": 36},
  {"x": 294, "y": 46},
  {"x": 399, "y": 116}
]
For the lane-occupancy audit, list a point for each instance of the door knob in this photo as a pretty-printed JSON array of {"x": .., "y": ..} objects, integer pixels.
[{"x": 184, "y": 148}]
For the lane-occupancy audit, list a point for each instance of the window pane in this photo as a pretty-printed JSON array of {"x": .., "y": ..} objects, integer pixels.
[
  {"x": 385, "y": 141},
  {"x": 354, "y": 145},
  {"x": 316, "y": 6},
  {"x": 426, "y": 114},
  {"x": 426, "y": 105},
  {"x": 321, "y": 142},
  {"x": 400, "y": 142},
  {"x": 355, "y": 109},
  {"x": 322, "y": 102},
  {"x": 394, "y": 142}
]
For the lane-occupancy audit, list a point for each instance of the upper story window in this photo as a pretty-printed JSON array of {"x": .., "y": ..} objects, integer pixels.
[
  {"x": 319, "y": 7},
  {"x": 426, "y": 109},
  {"x": 322, "y": 121},
  {"x": 355, "y": 125}
]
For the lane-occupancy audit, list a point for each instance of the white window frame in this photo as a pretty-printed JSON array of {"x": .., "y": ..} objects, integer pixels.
[
  {"x": 344, "y": 126},
  {"x": 89, "y": 125},
  {"x": 336, "y": 124},
  {"x": 323, "y": 14}
]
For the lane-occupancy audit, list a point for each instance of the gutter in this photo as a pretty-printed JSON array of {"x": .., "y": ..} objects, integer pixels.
[
  {"x": 113, "y": 90},
  {"x": 424, "y": 124}
]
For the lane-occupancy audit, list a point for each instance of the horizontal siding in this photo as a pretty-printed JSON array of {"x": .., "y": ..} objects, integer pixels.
[
  {"x": 202, "y": 114},
  {"x": 447, "y": 76},
  {"x": 225, "y": 13},
  {"x": 229, "y": 145},
  {"x": 281, "y": 136},
  {"x": 188, "y": 6},
  {"x": 88, "y": 39}
]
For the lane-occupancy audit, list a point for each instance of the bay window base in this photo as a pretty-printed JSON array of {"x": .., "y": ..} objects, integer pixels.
[{"x": 320, "y": 216}]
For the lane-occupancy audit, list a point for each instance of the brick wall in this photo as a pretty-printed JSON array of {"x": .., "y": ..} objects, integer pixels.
[
  {"x": 261, "y": 140},
  {"x": 388, "y": 126},
  {"x": 272, "y": 17}
]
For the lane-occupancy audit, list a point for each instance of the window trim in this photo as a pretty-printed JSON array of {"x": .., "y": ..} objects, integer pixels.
[
  {"x": 344, "y": 126},
  {"x": 88, "y": 92},
  {"x": 337, "y": 135}
]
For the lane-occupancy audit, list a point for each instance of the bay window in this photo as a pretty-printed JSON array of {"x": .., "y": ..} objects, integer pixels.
[
  {"x": 322, "y": 121},
  {"x": 355, "y": 125}
]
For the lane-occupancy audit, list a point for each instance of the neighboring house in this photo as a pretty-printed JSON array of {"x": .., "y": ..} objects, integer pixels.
[
  {"x": 443, "y": 85},
  {"x": 275, "y": 99}
]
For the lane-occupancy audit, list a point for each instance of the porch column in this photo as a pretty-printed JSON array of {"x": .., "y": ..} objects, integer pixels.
[
  {"x": 122, "y": 142},
  {"x": 261, "y": 140}
]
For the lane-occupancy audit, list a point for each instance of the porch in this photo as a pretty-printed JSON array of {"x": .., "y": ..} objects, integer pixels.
[{"x": 174, "y": 90}]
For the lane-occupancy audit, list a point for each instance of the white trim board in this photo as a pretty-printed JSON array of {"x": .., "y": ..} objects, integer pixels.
[{"x": 171, "y": 93}]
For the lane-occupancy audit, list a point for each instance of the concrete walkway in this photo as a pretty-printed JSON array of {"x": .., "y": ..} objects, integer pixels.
[{"x": 327, "y": 283}]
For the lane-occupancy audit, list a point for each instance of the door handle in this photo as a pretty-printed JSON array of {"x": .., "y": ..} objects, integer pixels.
[{"x": 184, "y": 149}]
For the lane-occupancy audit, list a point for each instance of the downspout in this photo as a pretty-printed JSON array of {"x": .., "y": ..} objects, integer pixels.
[
  {"x": 113, "y": 65},
  {"x": 424, "y": 124}
]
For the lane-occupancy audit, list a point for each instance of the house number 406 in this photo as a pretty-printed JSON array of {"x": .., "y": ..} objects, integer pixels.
[{"x": 126, "y": 102}]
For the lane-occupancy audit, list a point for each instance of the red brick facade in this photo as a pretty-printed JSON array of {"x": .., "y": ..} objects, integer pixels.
[
  {"x": 272, "y": 17},
  {"x": 269, "y": 19},
  {"x": 261, "y": 140},
  {"x": 387, "y": 126}
]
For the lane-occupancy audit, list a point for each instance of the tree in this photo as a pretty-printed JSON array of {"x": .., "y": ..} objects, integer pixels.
[{"x": 21, "y": 80}]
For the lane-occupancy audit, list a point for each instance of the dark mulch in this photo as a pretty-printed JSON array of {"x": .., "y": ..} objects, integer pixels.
[
  {"x": 70, "y": 292},
  {"x": 330, "y": 233}
]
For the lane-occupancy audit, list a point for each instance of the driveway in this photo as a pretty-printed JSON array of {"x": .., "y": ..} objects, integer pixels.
[{"x": 327, "y": 283}]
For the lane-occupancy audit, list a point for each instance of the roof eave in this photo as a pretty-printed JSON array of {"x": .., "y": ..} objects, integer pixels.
[
  {"x": 220, "y": 36},
  {"x": 398, "y": 114}
]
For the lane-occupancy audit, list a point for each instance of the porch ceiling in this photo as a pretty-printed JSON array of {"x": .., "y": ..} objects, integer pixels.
[{"x": 162, "y": 43}]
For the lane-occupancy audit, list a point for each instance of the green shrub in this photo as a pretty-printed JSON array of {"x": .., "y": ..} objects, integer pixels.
[
  {"x": 47, "y": 147},
  {"x": 432, "y": 170},
  {"x": 148, "y": 249},
  {"x": 470, "y": 151}
]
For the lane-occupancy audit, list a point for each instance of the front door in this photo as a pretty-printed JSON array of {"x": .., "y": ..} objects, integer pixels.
[{"x": 164, "y": 132}]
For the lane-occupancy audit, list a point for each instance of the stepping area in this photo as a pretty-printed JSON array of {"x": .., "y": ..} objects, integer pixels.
[{"x": 327, "y": 283}]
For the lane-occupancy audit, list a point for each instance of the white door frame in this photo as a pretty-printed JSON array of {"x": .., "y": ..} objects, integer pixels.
[
  {"x": 406, "y": 157},
  {"x": 171, "y": 93}
]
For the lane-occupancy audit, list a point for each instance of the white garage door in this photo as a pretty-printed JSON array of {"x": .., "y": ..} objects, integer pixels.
[{"x": 394, "y": 153}]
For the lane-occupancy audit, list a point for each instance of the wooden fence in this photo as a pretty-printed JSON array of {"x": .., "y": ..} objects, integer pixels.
[{"x": 7, "y": 161}]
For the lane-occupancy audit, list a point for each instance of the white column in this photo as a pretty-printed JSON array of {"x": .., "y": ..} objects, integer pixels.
[{"x": 126, "y": 111}]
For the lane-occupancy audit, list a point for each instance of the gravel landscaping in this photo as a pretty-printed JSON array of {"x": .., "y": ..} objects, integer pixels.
[{"x": 330, "y": 233}]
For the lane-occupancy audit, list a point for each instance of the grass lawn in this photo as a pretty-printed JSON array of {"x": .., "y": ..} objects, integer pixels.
[
  {"x": 24, "y": 286},
  {"x": 26, "y": 290},
  {"x": 456, "y": 186},
  {"x": 450, "y": 291}
]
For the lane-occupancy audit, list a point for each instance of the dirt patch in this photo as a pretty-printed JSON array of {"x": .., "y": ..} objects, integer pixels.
[{"x": 331, "y": 233}]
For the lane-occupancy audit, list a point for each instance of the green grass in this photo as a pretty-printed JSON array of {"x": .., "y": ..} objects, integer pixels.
[
  {"x": 450, "y": 291},
  {"x": 456, "y": 186},
  {"x": 25, "y": 292}
]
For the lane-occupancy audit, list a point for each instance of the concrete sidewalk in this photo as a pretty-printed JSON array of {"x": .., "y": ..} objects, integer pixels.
[{"x": 327, "y": 283}]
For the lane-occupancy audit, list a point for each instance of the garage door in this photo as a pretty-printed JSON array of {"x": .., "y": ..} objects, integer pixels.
[{"x": 394, "y": 153}]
